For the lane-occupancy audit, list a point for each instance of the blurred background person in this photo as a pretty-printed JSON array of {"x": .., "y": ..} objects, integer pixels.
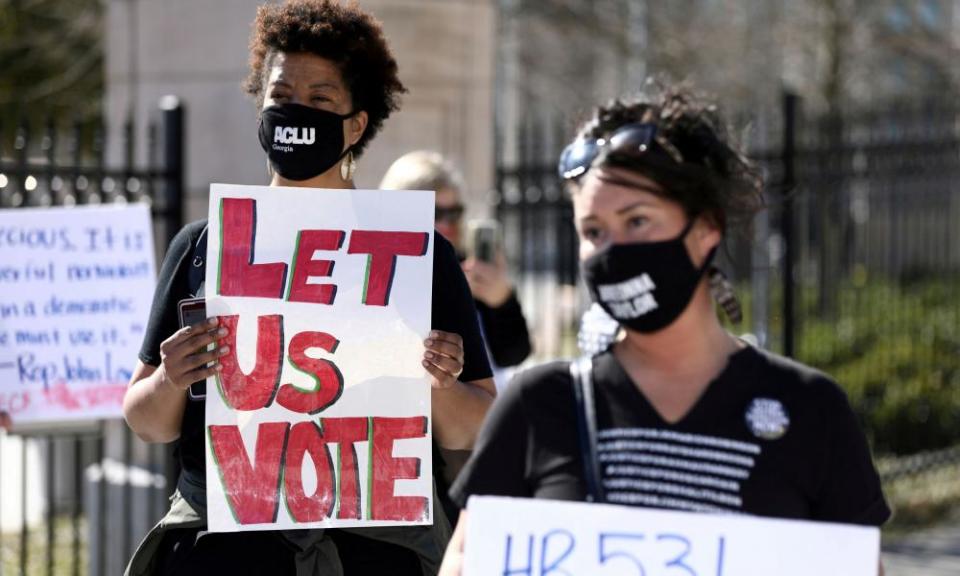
[
  {"x": 501, "y": 317},
  {"x": 504, "y": 326}
]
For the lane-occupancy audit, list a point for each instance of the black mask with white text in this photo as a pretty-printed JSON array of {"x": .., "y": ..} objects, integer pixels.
[
  {"x": 645, "y": 286},
  {"x": 302, "y": 142}
]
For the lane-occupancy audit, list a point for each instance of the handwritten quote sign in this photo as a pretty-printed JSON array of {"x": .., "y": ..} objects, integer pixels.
[
  {"x": 320, "y": 416},
  {"x": 516, "y": 537},
  {"x": 75, "y": 293}
]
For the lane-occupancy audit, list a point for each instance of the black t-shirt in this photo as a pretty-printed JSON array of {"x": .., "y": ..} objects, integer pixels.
[
  {"x": 452, "y": 310},
  {"x": 768, "y": 437}
]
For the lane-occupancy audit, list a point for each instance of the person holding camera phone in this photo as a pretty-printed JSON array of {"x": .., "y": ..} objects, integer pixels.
[
  {"x": 485, "y": 266},
  {"x": 483, "y": 260}
]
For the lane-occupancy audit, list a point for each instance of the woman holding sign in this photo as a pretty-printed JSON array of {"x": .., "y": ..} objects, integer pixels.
[
  {"x": 677, "y": 413},
  {"x": 326, "y": 70}
]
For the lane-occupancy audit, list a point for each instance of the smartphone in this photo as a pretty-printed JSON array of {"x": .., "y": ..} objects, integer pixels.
[
  {"x": 193, "y": 311},
  {"x": 484, "y": 239}
]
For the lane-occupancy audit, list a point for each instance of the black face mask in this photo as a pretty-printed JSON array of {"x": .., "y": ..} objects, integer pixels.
[
  {"x": 302, "y": 142},
  {"x": 645, "y": 286}
]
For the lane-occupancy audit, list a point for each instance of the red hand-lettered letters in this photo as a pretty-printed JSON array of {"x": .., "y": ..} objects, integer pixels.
[
  {"x": 239, "y": 276},
  {"x": 253, "y": 490}
]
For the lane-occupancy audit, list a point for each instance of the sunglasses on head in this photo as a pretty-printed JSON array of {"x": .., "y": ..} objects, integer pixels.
[
  {"x": 632, "y": 141},
  {"x": 448, "y": 214}
]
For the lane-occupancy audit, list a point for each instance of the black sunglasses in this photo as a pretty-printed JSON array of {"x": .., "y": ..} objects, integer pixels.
[
  {"x": 632, "y": 140},
  {"x": 448, "y": 214}
]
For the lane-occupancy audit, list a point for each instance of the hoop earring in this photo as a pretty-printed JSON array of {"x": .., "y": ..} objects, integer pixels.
[
  {"x": 724, "y": 295},
  {"x": 348, "y": 166}
]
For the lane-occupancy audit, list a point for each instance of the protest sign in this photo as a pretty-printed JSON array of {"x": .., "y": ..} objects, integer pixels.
[
  {"x": 515, "y": 537},
  {"x": 320, "y": 416},
  {"x": 75, "y": 292}
]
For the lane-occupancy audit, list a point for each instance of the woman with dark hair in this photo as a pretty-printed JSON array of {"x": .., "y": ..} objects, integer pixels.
[
  {"x": 326, "y": 66},
  {"x": 676, "y": 413}
]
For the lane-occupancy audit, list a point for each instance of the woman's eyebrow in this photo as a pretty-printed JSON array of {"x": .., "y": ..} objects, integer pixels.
[
  {"x": 630, "y": 207},
  {"x": 325, "y": 85}
]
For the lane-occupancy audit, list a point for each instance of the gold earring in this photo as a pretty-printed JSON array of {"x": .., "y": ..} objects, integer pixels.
[{"x": 348, "y": 166}]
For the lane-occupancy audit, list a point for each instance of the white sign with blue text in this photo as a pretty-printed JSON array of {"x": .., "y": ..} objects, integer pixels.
[
  {"x": 520, "y": 537},
  {"x": 75, "y": 290}
]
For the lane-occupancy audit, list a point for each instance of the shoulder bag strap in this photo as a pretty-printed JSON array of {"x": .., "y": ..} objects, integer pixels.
[{"x": 581, "y": 370}]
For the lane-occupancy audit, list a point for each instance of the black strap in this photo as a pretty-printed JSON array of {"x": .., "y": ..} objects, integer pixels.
[
  {"x": 581, "y": 370},
  {"x": 198, "y": 269}
]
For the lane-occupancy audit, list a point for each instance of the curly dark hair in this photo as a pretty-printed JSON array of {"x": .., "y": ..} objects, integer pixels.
[
  {"x": 343, "y": 34},
  {"x": 715, "y": 179}
]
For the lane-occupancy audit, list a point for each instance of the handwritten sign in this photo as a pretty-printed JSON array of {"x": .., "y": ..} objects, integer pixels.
[
  {"x": 322, "y": 404},
  {"x": 75, "y": 293},
  {"x": 514, "y": 537}
]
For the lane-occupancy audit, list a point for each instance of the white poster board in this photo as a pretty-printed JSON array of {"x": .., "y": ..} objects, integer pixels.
[
  {"x": 76, "y": 286},
  {"x": 520, "y": 536},
  {"x": 321, "y": 414}
]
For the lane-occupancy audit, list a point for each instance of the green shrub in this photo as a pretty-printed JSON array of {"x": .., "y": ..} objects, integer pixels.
[{"x": 895, "y": 349}]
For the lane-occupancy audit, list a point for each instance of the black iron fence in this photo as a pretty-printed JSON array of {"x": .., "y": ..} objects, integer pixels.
[
  {"x": 100, "y": 486},
  {"x": 854, "y": 268},
  {"x": 536, "y": 216},
  {"x": 873, "y": 262}
]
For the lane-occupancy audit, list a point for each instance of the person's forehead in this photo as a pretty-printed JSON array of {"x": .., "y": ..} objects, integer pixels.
[
  {"x": 304, "y": 67},
  {"x": 447, "y": 197},
  {"x": 619, "y": 180}
]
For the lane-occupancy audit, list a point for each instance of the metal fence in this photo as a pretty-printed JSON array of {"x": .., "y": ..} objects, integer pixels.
[
  {"x": 100, "y": 486},
  {"x": 539, "y": 238},
  {"x": 867, "y": 240},
  {"x": 854, "y": 267}
]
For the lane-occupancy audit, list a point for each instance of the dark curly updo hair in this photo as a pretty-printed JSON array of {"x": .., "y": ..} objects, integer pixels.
[
  {"x": 343, "y": 34},
  {"x": 714, "y": 178}
]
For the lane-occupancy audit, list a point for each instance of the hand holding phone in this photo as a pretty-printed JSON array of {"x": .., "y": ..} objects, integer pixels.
[
  {"x": 486, "y": 269},
  {"x": 193, "y": 312}
]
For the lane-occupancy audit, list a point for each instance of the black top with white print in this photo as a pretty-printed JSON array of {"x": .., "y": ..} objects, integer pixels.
[{"x": 768, "y": 437}]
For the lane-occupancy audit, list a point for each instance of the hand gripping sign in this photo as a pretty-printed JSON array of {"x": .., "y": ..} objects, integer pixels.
[
  {"x": 320, "y": 416},
  {"x": 518, "y": 537}
]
